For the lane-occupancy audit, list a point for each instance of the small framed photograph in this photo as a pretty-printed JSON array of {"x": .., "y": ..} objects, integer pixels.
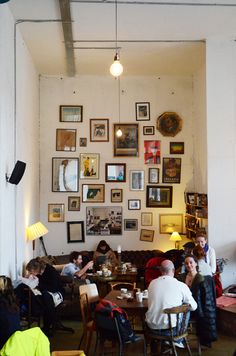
[
  {"x": 159, "y": 196},
  {"x": 116, "y": 195},
  {"x": 75, "y": 231},
  {"x": 83, "y": 141},
  {"x": 146, "y": 219},
  {"x": 153, "y": 175},
  {"x": 171, "y": 170},
  {"x": 65, "y": 174},
  {"x": 71, "y": 113},
  {"x": 152, "y": 152},
  {"x": 93, "y": 193},
  {"x": 115, "y": 172},
  {"x": 99, "y": 130},
  {"x": 134, "y": 204},
  {"x": 131, "y": 224},
  {"x": 191, "y": 198},
  {"x": 170, "y": 222},
  {"x": 74, "y": 203},
  {"x": 104, "y": 220},
  {"x": 147, "y": 235},
  {"x": 142, "y": 111},
  {"x": 66, "y": 140},
  {"x": 89, "y": 165},
  {"x": 136, "y": 180},
  {"x": 177, "y": 148},
  {"x": 56, "y": 212},
  {"x": 127, "y": 144},
  {"x": 148, "y": 130}
]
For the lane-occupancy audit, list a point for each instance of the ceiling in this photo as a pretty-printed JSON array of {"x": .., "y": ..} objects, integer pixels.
[{"x": 155, "y": 37}]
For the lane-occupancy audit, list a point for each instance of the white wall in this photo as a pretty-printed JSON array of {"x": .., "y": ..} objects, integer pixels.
[
  {"x": 98, "y": 95},
  {"x": 221, "y": 137},
  {"x": 18, "y": 141}
]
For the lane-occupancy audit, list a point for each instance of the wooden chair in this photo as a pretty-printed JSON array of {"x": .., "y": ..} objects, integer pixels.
[
  {"x": 108, "y": 330},
  {"x": 91, "y": 290},
  {"x": 88, "y": 323},
  {"x": 175, "y": 334},
  {"x": 116, "y": 285}
]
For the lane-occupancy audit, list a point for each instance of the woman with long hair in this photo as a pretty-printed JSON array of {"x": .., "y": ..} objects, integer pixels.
[
  {"x": 9, "y": 311},
  {"x": 104, "y": 254}
]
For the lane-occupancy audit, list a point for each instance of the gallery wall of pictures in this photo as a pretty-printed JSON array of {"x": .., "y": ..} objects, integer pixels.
[{"x": 99, "y": 186}]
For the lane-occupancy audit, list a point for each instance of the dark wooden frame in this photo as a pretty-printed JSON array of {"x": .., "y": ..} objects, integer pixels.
[
  {"x": 69, "y": 203},
  {"x": 121, "y": 195},
  {"x": 146, "y": 128},
  {"x": 92, "y": 123},
  {"x": 142, "y": 118},
  {"x": 176, "y": 148},
  {"x": 171, "y": 165},
  {"x": 70, "y": 225},
  {"x": 73, "y": 107},
  {"x": 54, "y": 180},
  {"x": 124, "y": 146},
  {"x": 149, "y": 175},
  {"x": 153, "y": 203},
  {"x": 135, "y": 228},
  {"x": 132, "y": 200},
  {"x": 123, "y": 165}
]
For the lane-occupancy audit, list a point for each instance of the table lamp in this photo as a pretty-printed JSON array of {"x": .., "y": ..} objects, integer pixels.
[
  {"x": 175, "y": 236},
  {"x": 35, "y": 231}
]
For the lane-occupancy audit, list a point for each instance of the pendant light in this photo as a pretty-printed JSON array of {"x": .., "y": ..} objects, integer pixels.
[
  {"x": 116, "y": 69},
  {"x": 119, "y": 132}
]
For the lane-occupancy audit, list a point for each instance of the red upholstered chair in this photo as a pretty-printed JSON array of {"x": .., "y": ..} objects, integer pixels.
[{"x": 152, "y": 269}]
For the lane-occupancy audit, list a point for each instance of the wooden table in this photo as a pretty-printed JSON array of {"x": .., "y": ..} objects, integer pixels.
[
  {"x": 226, "y": 318},
  {"x": 133, "y": 309}
]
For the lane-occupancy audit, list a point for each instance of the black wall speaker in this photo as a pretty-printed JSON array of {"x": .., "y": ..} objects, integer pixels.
[{"x": 17, "y": 172}]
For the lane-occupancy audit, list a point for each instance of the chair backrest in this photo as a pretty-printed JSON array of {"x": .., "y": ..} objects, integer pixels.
[
  {"x": 180, "y": 313},
  {"x": 91, "y": 291},
  {"x": 118, "y": 285},
  {"x": 85, "y": 309},
  {"x": 107, "y": 327}
]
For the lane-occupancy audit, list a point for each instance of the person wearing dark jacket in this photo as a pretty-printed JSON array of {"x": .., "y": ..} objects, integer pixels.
[
  {"x": 9, "y": 311},
  {"x": 203, "y": 291}
]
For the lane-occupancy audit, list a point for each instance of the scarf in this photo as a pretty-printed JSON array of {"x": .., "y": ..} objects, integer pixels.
[{"x": 206, "y": 248}]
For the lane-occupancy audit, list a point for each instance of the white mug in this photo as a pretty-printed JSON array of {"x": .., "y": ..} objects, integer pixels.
[{"x": 139, "y": 297}]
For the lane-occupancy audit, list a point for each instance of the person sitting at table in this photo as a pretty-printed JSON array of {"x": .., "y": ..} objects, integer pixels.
[
  {"x": 9, "y": 311},
  {"x": 166, "y": 292},
  {"x": 74, "y": 269},
  {"x": 203, "y": 290},
  {"x": 104, "y": 255}
]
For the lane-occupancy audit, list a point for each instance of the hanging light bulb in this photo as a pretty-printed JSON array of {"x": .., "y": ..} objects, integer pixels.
[
  {"x": 119, "y": 133},
  {"x": 116, "y": 69}
]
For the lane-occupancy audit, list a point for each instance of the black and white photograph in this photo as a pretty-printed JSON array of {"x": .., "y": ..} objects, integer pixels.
[{"x": 104, "y": 220}]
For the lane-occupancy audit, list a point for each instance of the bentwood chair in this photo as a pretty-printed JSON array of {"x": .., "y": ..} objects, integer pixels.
[
  {"x": 176, "y": 334},
  {"x": 88, "y": 323}
]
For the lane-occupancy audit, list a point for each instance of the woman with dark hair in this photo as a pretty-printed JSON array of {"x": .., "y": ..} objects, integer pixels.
[
  {"x": 9, "y": 311},
  {"x": 203, "y": 291},
  {"x": 104, "y": 254}
]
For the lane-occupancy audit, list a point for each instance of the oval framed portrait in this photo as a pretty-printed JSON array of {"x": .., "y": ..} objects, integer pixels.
[{"x": 169, "y": 124}]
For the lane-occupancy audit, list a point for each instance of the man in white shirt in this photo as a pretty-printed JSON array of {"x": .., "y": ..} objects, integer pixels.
[{"x": 166, "y": 292}]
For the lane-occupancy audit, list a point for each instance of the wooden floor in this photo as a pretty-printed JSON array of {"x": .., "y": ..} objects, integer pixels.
[{"x": 225, "y": 346}]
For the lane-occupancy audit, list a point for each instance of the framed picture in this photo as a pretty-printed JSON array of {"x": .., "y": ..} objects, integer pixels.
[
  {"x": 159, "y": 196},
  {"x": 134, "y": 204},
  {"x": 131, "y": 224},
  {"x": 56, "y": 212},
  {"x": 169, "y": 223},
  {"x": 65, "y": 174},
  {"x": 136, "y": 180},
  {"x": 83, "y": 141},
  {"x": 191, "y": 198},
  {"x": 104, "y": 220},
  {"x": 74, "y": 203},
  {"x": 169, "y": 124},
  {"x": 152, "y": 152},
  {"x": 146, "y": 219},
  {"x": 71, "y": 113},
  {"x": 89, "y": 165},
  {"x": 116, "y": 195},
  {"x": 147, "y": 235},
  {"x": 148, "y": 130},
  {"x": 142, "y": 111},
  {"x": 66, "y": 140},
  {"x": 127, "y": 144},
  {"x": 153, "y": 175},
  {"x": 177, "y": 148},
  {"x": 115, "y": 172},
  {"x": 75, "y": 231},
  {"x": 93, "y": 193},
  {"x": 171, "y": 170},
  {"x": 99, "y": 130}
]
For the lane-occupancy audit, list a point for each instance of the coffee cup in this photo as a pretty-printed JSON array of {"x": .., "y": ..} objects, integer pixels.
[
  {"x": 139, "y": 297},
  {"x": 124, "y": 290}
]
